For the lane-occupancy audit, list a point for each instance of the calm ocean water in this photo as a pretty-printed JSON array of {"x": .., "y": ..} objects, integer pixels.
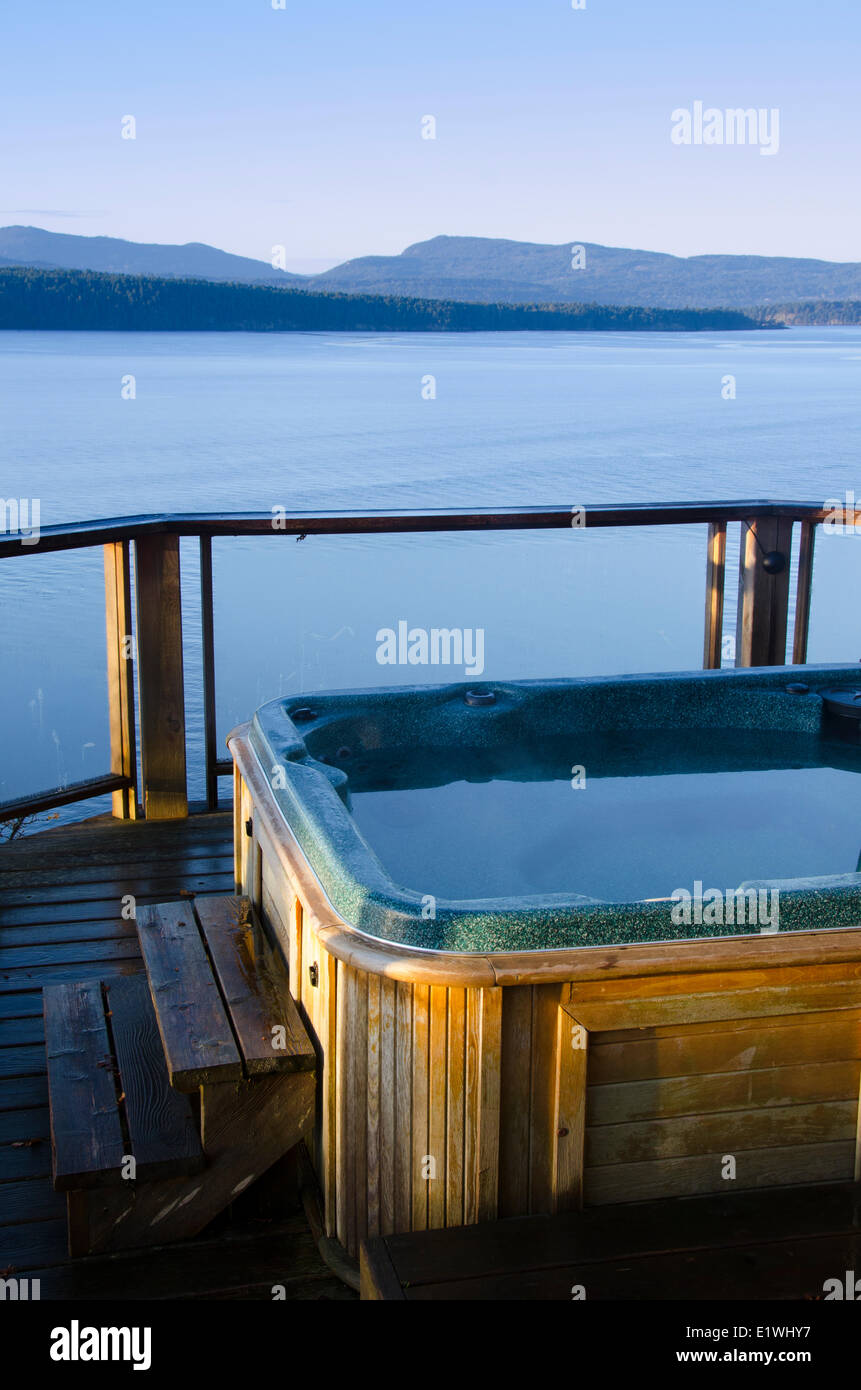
[{"x": 228, "y": 421}]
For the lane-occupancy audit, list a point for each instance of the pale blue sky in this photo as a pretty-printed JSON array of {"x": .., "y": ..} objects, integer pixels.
[{"x": 301, "y": 126}]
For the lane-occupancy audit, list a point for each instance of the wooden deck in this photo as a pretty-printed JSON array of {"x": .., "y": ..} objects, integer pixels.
[
  {"x": 62, "y": 898},
  {"x": 61, "y": 919}
]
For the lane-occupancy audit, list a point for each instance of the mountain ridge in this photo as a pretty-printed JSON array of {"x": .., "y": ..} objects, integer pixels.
[
  {"x": 34, "y": 246},
  {"x": 483, "y": 270}
]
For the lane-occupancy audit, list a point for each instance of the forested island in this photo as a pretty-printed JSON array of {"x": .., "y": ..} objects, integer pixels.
[
  {"x": 33, "y": 298},
  {"x": 819, "y": 313}
]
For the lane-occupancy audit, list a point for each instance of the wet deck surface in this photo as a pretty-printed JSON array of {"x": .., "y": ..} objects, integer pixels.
[{"x": 65, "y": 915}]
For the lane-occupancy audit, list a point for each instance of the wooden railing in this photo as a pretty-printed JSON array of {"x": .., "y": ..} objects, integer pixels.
[{"x": 151, "y": 639}]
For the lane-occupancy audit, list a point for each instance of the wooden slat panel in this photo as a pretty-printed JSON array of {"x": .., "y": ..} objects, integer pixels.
[
  {"x": 729, "y": 1131},
  {"x": 676, "y": 1177},
  {"x": 240, "y": 886},
  {"x": 404, "y": 1168},
  {"x": 437, "y": 1077},
  {"x": 473, "y": 1117},
  {"x": 328, "y": 1091},
  {"x": 343, "y": 1179},
  {"x": 455, "y": 1137},
  {"x": 161, "y": 1124},
  {"x": 742, "y": 981},
  {"x": 296, "y": 918},
  {"x": 276, "y": 910},
  {"x": 515, "y": 1086},
  {"x": 309, "y": 1010},
  {"x": 194, "y": 1027},
  {"x": 542, "y": 1137},
  {"x": 388, "y": 1083},
  {"x": 570, "y": 1113},
  {"x": 358, "y": 1113},
  {"x": 723, "y": 1048},
  {"x": 420, "y": 1102},
  {"x": 246, "y": 843},
  {"x": 85, "y": 1124},
  {"x": 692, "y": 1095},
  {"x": 724, "y": 1004},
  {"x": 256, "y": 994},
  {"x": 372, "y": 1108},
  {"x": 489, "y": 1132}
]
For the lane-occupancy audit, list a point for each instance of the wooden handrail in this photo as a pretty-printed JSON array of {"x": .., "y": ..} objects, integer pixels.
[
  {"x": 151, "y": 542},
  {"x": 77, "y": 534}
]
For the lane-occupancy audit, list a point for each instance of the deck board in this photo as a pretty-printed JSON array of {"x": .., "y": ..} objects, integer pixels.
[{"x": 730, "y": 1246}]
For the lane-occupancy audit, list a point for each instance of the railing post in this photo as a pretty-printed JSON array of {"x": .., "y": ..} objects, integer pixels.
[
  {"x": 121, "y": 697},
  {"x": 208, "y": 662},
  {"x": 763, "y": 591},
  {"x": 803, "y": 593},
  {"x": 715, "y": 565},
  {"x": 160, "y": 681}
]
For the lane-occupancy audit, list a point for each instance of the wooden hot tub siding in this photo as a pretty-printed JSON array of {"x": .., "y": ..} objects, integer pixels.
[{"x": 688, "y": 1052}]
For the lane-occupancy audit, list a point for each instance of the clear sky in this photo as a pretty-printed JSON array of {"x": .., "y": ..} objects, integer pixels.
[{"x": 301, "y": 126}]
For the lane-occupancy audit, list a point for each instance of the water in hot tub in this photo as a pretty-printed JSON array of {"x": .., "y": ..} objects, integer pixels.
[{"x": 620, "y": 817}]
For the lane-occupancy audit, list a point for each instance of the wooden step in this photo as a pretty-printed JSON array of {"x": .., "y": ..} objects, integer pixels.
[
  {"x": 223, "y": 1003},
  {"x": 763, "y": 1244},
  {"x": 109, "y": 1092},
  {"x": 213, "y": 1015}
]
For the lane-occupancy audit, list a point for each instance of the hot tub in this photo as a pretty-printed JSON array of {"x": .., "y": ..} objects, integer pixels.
[{"x": 565, "y": 941}]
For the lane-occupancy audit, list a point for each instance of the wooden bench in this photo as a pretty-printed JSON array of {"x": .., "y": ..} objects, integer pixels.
[
  {"x": 171, "y": 1093},
  {"x": 777, "y": 1243}
]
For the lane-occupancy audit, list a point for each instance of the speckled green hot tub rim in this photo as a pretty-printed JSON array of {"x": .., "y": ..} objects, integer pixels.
[{"x": 310, "y": 792}]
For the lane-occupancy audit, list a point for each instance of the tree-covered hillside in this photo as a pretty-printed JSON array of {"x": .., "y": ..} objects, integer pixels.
[
  {"x": 822, "y": 313},
  {"x": 70, "y": 299}
]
